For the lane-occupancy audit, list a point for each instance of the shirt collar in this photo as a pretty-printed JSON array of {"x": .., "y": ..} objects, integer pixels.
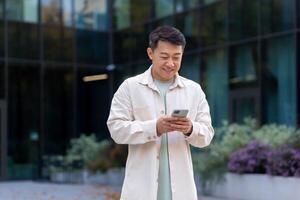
[{"x": 147, "y": 79}]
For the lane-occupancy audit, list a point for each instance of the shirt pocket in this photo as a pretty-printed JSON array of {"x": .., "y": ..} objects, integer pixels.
[{"x": 143, "y": 113}]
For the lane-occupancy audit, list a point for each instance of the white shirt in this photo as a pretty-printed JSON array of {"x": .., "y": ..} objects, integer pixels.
[{"x": 135, "y": 109}]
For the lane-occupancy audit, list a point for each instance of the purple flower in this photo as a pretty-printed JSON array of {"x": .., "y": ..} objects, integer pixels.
[
  {"x": 250, "y": 159},
  {"x": 284, "y": 161}
]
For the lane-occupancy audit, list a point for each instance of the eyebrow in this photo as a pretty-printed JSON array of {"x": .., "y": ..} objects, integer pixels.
[{"x": 176, "y": 54}]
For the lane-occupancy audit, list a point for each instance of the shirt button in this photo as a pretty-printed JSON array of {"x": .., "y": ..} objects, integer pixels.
[
  {"x": 162, "y": 112},
  {"x": 149, "y": 138}
]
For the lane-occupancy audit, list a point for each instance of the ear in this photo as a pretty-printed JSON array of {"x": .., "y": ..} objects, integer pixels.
[{"x": 150, "y": 53}]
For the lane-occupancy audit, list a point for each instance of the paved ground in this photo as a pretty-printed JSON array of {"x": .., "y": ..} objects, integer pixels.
[{"x": 28, "y": 190}]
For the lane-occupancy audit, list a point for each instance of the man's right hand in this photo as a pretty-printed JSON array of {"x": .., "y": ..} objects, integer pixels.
[{"x": 163, "y": 125}]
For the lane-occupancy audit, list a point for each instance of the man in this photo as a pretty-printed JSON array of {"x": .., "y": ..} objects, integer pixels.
[{"x": 159, "y": 163}]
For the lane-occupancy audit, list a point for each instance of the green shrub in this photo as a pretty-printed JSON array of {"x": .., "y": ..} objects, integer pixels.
[
  {"x": 86, "y": 152},
  {"x": 211, "y": 162},
  {"x": 274, "y": 135}
]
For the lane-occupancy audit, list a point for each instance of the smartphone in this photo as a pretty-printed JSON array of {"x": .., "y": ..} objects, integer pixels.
[{"x": 180, "y": 113}]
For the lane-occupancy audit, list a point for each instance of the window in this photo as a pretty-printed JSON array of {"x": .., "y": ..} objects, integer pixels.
[
  {"x": 91, "y": 14},
  {"x": 24, "y": 121},
  {"x": 243, "y": 64},
  {"x": 2, "y": 81},
  {"x": 121, "y": 14},
  {"x": 163, "y": 8},
  {"x": 215, "y": 75},
  {"x": 277, "y": 15},
  {"x": 51, "y": 12},
  {"x": 1, "y": 8},
  {"x": 22, "y": 10},
  {"x": 58, "y": 109},
  {"x": 58, "y": 43},
  {"x": 213, "y": 24},
  {"x": 243, "y": 16},
  {"x": 207, "y": 2},
  {"x": 188, "y": 24},
  {"x": 23, "y": 40},
  {"x": 182, "y": 5},
  {"x": 92, "y": 47},
  {"x": 279, "y": 80},
  {"x": 67, "y": 13},
  {"x": 190, "y": 67},
  {"x": 1, "y": 38},
  {"x": 93, "y": 106}
]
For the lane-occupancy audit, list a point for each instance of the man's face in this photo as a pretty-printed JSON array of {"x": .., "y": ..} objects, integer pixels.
[{"x": 166, "y": 60}]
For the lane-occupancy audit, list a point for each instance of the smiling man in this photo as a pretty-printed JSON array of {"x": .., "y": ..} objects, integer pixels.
[{"x": 159, "y": 164}]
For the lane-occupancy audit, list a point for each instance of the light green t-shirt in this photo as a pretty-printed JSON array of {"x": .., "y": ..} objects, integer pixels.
[{"x": 164, "y": 181}]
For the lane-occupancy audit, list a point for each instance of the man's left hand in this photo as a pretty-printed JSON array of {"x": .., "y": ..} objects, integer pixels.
[{"x": 182, "y": 124}]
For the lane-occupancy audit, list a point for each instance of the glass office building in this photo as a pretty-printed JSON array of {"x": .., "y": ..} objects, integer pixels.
[{"x": 244, "y": 53}]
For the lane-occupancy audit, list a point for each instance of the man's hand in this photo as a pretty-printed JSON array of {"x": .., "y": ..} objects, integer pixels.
[
  {"x": 182, "y": 124},
  {"x": 166, "y": 124},
  {"x": 163, "y": 125}
]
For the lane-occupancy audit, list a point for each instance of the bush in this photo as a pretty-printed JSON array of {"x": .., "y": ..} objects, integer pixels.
[
  {"x": 211, "y": 162},
  {"x": 284, "y": 161},
  {"x": 86, "y": 152},
  {"x": 274, "y": 135},
  {"x": 250, "y": 159}
]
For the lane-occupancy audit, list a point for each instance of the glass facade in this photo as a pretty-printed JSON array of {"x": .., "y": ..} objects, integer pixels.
[
  {"x": 244, "y": 53},
  {"x": 41, "y": 67}
]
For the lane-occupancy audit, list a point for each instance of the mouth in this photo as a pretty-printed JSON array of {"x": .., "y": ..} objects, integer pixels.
[{"x": 168, "y": 70}]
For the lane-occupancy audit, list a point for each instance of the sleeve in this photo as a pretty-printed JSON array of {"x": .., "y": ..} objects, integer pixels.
[
  {"x": 124, "y": 129},
  {"x": 203, "y": 131}
]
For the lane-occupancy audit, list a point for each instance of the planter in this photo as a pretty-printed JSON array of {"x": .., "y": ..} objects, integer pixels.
[
  {"x": 255, "y": 186},
  {"x": 69, "y": 177},
  {"x": 112, "y": 177}
]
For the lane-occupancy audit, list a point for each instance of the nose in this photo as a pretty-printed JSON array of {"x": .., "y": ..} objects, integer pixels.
[{"x": 170, "y": 62}]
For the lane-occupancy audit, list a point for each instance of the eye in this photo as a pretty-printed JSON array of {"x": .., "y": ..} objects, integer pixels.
[{"x": 164, "y": 57}]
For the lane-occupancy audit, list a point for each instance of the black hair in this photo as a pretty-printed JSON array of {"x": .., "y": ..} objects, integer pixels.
[{"x": 168, "y": 34}]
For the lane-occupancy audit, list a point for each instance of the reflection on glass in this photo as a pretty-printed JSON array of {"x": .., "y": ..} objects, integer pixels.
[
  {"x": 91, "y": 102},
  {"x": 213, "y": 24},
  {"x": 139, "y": 36},
  {"x": 2, "y": 38},
  {"x": 52, "y": 43},
  {"x": 215, "y": 75},
  {"x": 243, "y": 19},
  {"x": 122, "y": 14},
  {"x": 2, "y": 80},
  {"x": 24, "y": 121},
  {"x": 190, "y": 67},
  {"x": 58, "y": 109},
  {"x": 23, "y": 40},
  {"x": 22, "y": 10},
  {"x": 91, "y": 14},
  {"x": 67, "y": 12},
  {"x": 243, "y": 108},
  {"x": 140, "y": 11},
  {"x": 163, "y": 7},
  {"x": 182, "y": 5},
  {"x": 91, "y": 47},
  {"x": 51, "y": 12},
  {"x": 206, "y": 2},
  {"x": 277, "y": 15},
  {"x": 188, "y": 24},
  {"x": 1, "y": 8},
  {"x": 244, "y": 60},
  {"x": 279, "y": 81}
]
